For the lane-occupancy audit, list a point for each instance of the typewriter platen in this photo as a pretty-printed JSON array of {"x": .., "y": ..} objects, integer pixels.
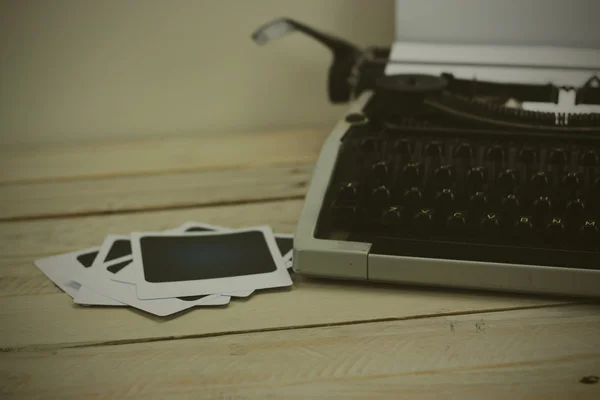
[{"x": 436, "y": 180}]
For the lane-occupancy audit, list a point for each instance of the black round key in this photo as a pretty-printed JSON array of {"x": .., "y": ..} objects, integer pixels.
[
  {"x": 590, "y": 233},
  {"x": 556, "y": 224},
  {"x": 456, "y": 222},
  {"x": 391, "y": 217},
  {"x": 348, "y": 193},
  {"x": 463, "y": 152},
  {"x": 476, "y": 177},
  {"x": 477, "y": 202},
  {"x": 495, "y": 154},
  {"x": 380, "y": 170},
  {"x": 444, "y": 199},
  {"x": 402, "y": 147},
  {"x": 381, "y": 197},
  {"x": 555, "y": 229},
  {"x": 443, "y": 174},
  {"x": 507, "y": 179},
  {"x": 412, "y": 174},
  {"x": 558, "y": 157},
  {"x": 542, "y": 206},
  {"x": 539, "y": 181},
  {"x": 433, "y": 149},
  {"x": 527, "y": 156},
  {"x": 589, "y": 158},
  {"x": 412, "y": 198},
  {"x": 422, "y": 221},
  {"x": 571, "y": 181},
  {"x": 575, "y": 208},
  {"x": 510, "y": 204},
  {"x": 524, "y": 228},
  {"x": 490, "y": 223}
]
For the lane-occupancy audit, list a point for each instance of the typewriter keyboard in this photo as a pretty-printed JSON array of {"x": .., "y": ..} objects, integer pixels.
[{"x": 469, "y": 195}]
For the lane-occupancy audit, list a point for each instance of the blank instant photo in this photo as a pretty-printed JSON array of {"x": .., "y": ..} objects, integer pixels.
[
  {"x": 168, "y": 264},
  {"x": 127, "y": 275},
  {"x": 97, "y": 279},
  {"x": 285, "y": 242},
  {"x": 62, "y": 269}
]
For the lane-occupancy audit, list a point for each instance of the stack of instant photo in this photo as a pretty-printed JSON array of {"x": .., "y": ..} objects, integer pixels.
[{"x": 164, "y": 273}]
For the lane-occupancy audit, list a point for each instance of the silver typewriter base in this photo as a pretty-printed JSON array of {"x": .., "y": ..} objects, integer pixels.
[{"x": 351, "y": 260}]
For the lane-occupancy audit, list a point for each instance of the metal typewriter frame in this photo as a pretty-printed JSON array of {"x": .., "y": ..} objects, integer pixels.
[
  {"x": 351, "y": 78},
  {"x": 352, "y": 260}
]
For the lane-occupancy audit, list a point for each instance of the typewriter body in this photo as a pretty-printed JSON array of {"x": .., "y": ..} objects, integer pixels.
[{"x": 433, "y": 178}]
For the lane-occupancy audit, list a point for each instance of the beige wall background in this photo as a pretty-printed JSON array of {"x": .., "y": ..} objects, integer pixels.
[{"x": 80, "y": 70}]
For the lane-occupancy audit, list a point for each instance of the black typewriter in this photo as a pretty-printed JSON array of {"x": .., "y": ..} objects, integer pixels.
[{"x": 446, "y": 181}]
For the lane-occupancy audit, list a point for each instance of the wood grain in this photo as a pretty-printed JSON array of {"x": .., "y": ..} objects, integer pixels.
[
  {"x": 527, "y": 354},
  {"x": 36, "y": 239},
  {"x": 33, "y": 313},
  {"x": 152, "y": 192},
  {"x": 168, "y": 155},
  {"x": 19, "y": 277},
  {"x": 319, "y": 339},
  {"x": 42, "y": 321}
]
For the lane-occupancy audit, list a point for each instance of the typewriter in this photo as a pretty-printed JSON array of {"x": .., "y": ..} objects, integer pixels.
[{"x": 440, "y": 180}]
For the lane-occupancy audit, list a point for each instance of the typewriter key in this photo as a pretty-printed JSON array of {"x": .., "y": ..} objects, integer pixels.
[
  {"x": 475, "y": 179},
  {"x": 444, "y": 199},
  {"x": 463, "y": 152},
  {"x": 555, "y": 231},
  {"x": 510, "y": 204},
  {"x": 589, "y": 158},
  {"x": 558, "y": 157},
  {"x": 590, "y": 232},
  {"x": 380, "y": 197},
  {"x": 478, "y": 202},
  {"x": 571, "y": 181},
  {"x": 412, "y": 175},
  {"x": 402, "y": 147},
  {"x": 507, "y": 180},
  {"x": 542, "y": 206},
  {"x": 348, "y": 193},
  {"x": 539, "y": 182},
  {"x": 575, "y": 208},
  {"x": 524, "y": 228},
  {"x": 456, "y": 223},
  {"x": 380, "y": 171},
  {"x": 495, "y": 154},
  {"x": 422, "y": 221},
  {"x": 434, "y": 149},
  {"x": 391, "y": 217},
  {"x": 527, "y": 156},
  {"x": 443, "y": 174},
  {"x": 490, "y": 224},
  {"x": 412, "y": 198}
]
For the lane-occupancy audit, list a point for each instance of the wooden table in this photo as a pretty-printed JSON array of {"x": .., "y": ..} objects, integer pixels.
[{"x": 320, "y": 339}]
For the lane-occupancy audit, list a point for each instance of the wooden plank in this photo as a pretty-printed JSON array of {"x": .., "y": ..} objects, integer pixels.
[
  {"x": 19, "y": 277},
  {"x": 53, "y": 321},
  {"x": 165, "y": 155},
  {"x": 49, "y": 317},
  {"x": 36, "y": 239},
  {"x": 148, "y": 192},
  {"x": 528, "y": 354}
]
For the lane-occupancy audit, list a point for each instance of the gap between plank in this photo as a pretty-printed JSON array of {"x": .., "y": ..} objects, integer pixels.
[
  {"x": 182, "y": 171},
  {"x": 149, "y": 209},
  {"x": 33, "y": 348}
]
